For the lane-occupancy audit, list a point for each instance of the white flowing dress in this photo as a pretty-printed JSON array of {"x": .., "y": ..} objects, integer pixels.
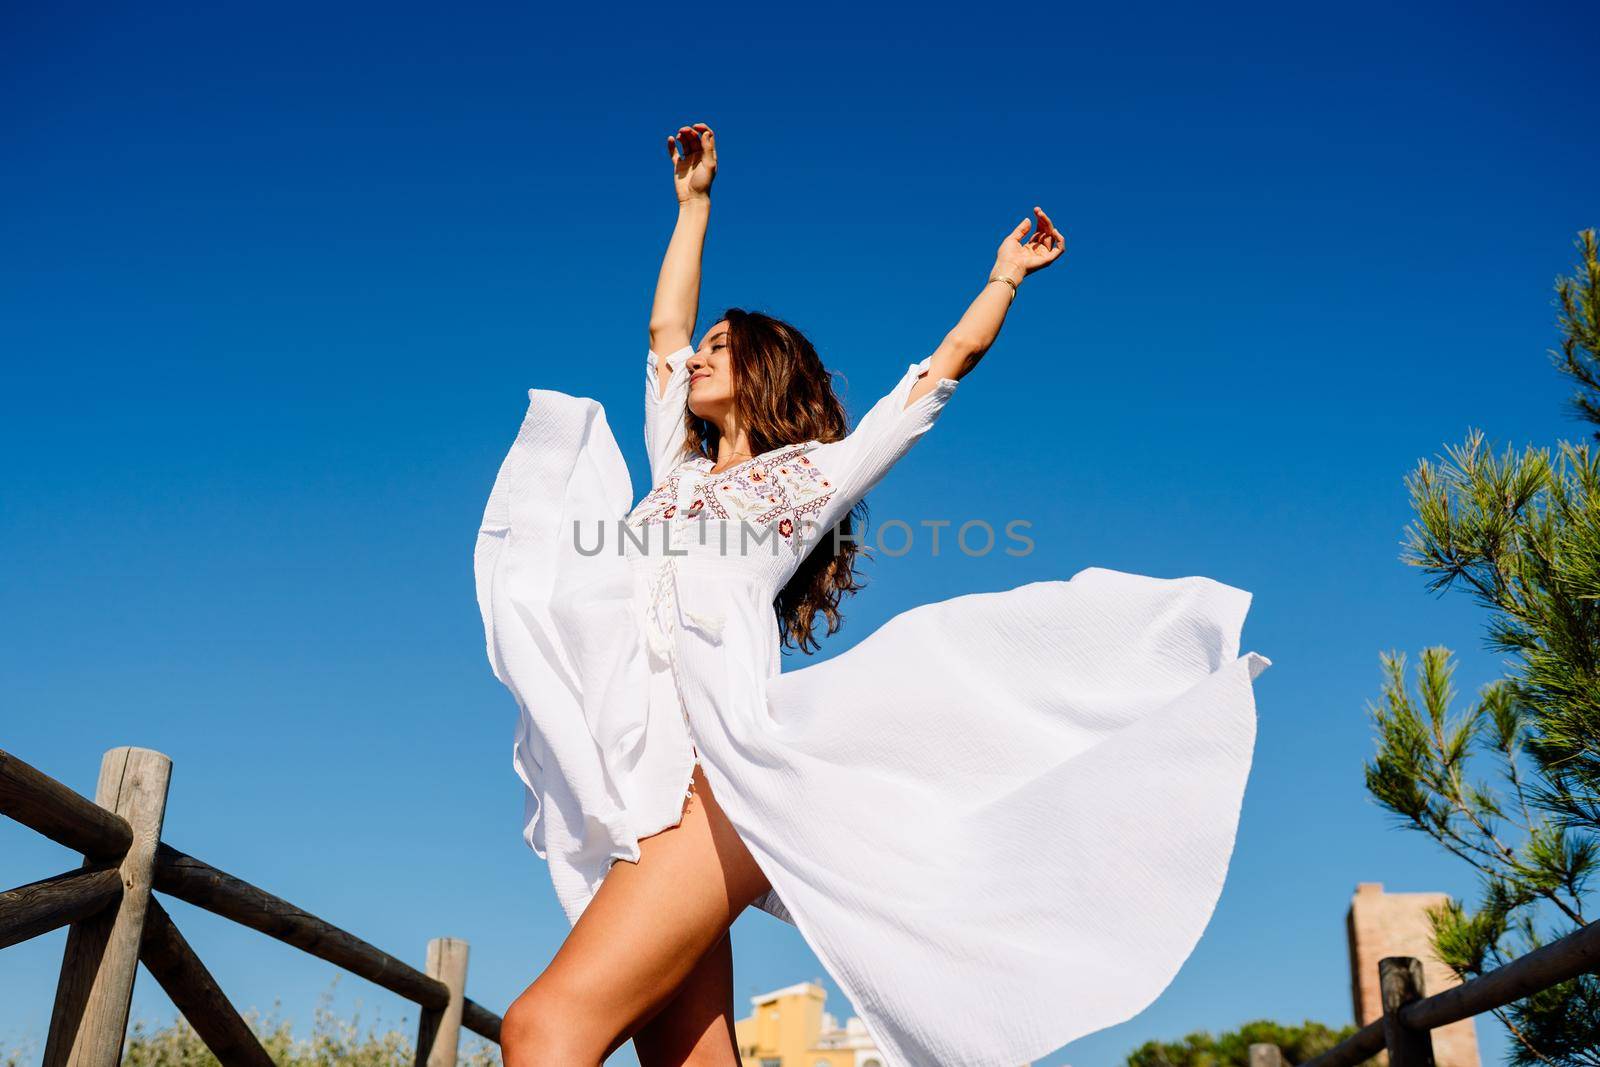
[{"x": 1001, "y": 821}]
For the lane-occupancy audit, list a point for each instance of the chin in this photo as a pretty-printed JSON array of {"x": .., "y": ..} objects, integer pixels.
[{"x": 707, "y": 412}]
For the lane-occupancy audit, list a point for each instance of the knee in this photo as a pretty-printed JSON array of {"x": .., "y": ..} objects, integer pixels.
[{"x": 539, "y": 1030}]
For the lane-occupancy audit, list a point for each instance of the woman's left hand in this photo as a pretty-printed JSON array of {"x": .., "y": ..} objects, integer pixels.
[{"x": 1018, "y": 258}]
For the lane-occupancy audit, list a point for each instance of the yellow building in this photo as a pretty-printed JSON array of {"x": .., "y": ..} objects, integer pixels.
[{"x": 789, "y": 1029}]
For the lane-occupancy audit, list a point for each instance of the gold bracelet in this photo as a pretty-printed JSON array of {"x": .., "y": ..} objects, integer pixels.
[{"x": 1008, "y": 281}]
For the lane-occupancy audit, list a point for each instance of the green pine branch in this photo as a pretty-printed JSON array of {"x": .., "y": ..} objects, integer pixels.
[{"x": 1510, "y": 782}]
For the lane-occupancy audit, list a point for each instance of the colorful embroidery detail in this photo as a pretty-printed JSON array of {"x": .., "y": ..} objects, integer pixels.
[{"x": 780, "y": 487}]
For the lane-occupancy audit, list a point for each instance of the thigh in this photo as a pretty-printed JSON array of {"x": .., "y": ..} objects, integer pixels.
[
  {"x": 696, "y": 1025},
  {"x": 651, "y": 922}
]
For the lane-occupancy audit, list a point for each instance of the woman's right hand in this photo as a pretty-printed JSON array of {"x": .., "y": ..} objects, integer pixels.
[{"x": 694, "y": 165}]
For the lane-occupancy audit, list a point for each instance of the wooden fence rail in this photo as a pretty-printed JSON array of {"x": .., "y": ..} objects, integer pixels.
[
  {"x": 1409, "y": 1017},
  {"x": 115, "y": 923}
]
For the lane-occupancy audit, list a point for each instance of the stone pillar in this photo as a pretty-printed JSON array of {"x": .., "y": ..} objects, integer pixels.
[{"x": 1383, "y": 924}]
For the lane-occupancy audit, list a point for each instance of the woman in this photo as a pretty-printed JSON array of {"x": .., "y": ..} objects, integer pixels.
[{"x": 1001, "y": 821}]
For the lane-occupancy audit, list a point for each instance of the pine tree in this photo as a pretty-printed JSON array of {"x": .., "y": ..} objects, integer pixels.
[
  {"x": 1510, "y": 783},
  {"x": 1579, "y": 299}
]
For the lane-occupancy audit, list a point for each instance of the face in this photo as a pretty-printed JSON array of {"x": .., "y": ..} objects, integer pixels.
[{"x": 711, "y": 375}]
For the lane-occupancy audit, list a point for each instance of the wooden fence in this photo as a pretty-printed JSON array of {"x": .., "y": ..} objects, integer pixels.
[
  {"x": 1405, "y": 1030},
  {"x": 117, "y": 923}
]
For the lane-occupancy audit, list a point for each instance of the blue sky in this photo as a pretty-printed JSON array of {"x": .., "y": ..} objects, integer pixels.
[{"x": 275, "y": 282}]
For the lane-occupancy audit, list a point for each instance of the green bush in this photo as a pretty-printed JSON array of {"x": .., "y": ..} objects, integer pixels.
[
  {"x": 1232, "y": 1049},
  {"x": 333, "y": 1042}
]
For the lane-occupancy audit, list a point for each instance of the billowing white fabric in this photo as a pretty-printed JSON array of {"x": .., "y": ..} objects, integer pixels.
[{"x": 1001, "y": 821}]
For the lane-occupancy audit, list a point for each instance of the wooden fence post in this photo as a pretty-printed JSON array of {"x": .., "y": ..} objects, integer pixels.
[
  {"x": 90, "y": 1018},
  {"x": 1266, "y": 1054},
  {"x": 1400, "y": 981},
  {"x": 439, "y": 1031}
]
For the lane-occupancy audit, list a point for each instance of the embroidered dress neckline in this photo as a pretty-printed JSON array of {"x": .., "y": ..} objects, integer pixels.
[{"x": 704, "y": 464}]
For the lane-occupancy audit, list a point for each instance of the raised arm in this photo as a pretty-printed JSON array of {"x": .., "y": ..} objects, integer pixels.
[
  {"x": 677, "y": 302},
  {"x": 970, "y": 338}
]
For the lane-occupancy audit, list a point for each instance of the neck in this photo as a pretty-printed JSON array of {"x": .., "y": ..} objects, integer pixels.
[{"x": 733, "y": 444}]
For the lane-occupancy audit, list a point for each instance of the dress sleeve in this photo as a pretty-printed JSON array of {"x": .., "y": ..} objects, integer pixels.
[
  {"x": 884, "y": 434},
  {"x": 664, "y": 433}
]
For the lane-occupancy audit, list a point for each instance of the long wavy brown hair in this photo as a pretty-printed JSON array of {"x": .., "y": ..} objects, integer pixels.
[{"x": 784, "y": 395}]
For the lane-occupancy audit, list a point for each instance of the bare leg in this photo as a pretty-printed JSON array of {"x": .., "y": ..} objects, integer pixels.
[
  {"x": 695, "y": 1029},
  {"x": 640, "y": 938}
]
